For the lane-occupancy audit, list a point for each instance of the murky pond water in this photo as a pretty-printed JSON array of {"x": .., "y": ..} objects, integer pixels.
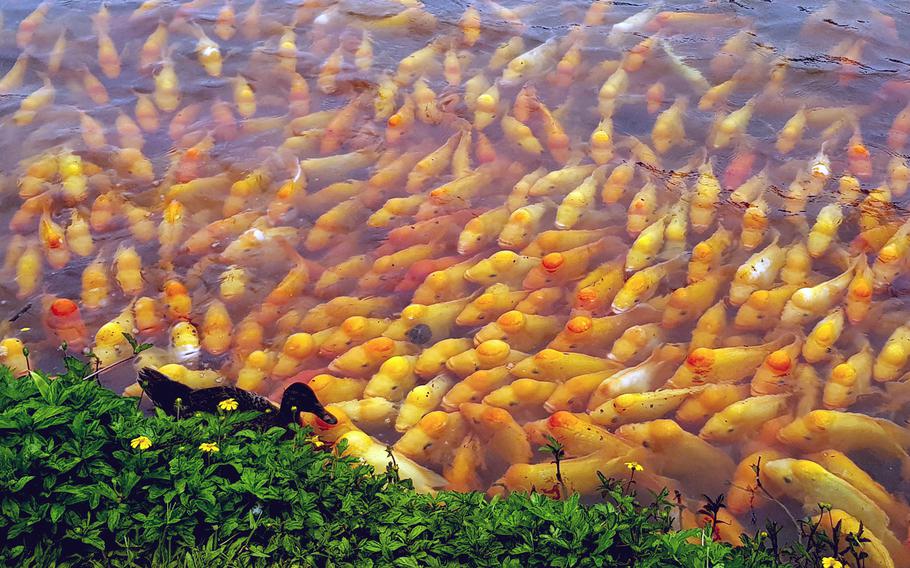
[{"x": 670, "y": 234}]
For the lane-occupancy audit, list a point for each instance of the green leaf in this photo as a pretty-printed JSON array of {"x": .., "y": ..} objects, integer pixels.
[
  {"x": 9, "y": 508},
  {"x": 57, "y": 512},
  {"x": 75, "y": 367},
  {"x": 21, "y": 482},
  {"x": 42, "y": 415},
  {"x": 93, "y": 540},
  {"x": 415, "y": 532},
  {"x": 131, "y": 340},
  {"x": 41, "y": 384},
  {"x": 113, "y": 517},
  {"x": 17, "y": 551}
]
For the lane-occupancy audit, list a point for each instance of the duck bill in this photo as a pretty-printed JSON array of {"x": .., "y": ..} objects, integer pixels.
[{"x": 324, "y": 418}]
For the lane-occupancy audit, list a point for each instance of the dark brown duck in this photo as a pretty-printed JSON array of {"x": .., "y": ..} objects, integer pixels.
[{"x": 168, "y": 394}]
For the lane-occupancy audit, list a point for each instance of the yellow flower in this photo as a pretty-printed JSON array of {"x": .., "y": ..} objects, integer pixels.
[
  {"x": 763, "y": 534},
  {"x": 634, "y": 466},
  {"x": 228, "y": 404},
  {"x": 141, "y": 442},
  {"x": 829, "y": 562},
  {"x": 209, "y": 447},
  {"x": 317, "y": 443}
]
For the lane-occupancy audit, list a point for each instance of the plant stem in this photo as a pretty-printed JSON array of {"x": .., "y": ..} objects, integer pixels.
[
  {"x": 107, "y": 368},
  {"x": 562, "y": 485}
]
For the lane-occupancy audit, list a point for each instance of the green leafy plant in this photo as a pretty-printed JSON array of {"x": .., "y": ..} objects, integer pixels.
[
  {"x": 86, "y": 479},
  {"x": 134, "y": 343},
  {"x": 711, "y": 510},
  {"x": 555, "y": 449}
]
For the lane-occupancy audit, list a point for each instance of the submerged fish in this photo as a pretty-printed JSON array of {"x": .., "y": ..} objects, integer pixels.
[{"x": 488, "y": 237}]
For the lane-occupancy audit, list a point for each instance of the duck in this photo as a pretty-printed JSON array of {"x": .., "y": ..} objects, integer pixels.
[{"x": 169, "y": 395}]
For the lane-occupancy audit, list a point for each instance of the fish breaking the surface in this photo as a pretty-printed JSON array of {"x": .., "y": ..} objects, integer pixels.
[{"x": 469, "y": 232}]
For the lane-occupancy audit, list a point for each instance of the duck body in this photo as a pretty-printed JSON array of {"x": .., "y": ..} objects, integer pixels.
[{"x": 171, "y": 396}]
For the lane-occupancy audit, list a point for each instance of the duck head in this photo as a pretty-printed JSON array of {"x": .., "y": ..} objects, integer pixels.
[
  {"x": 162, "y": 390},
  {"x": 299, "y": 397}
]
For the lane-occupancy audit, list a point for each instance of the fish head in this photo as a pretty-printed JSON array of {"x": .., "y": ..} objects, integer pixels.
[
  {"x": 512, "y": 74},
  {"x": 623, "y": 302},
  {"x": 637, "y": 433},
  {"x": 565, "y": 397},
  {"x": 415, "y": 442},
  {"x": 471, "y": 237},
  {"x": 780, "y": 472},
  {"x": 806, "y": 432},
  {"x": 564, "y": 421},
  {"x": 836, "y": 396},
  {"x": 492, "y": 351}
]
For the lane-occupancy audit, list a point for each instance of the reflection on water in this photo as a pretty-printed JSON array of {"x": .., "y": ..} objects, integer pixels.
[{"x": 671, "y": 234}]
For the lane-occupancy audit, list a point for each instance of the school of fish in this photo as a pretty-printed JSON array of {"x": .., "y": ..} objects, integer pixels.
[{"x": 686, "y": 264}]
